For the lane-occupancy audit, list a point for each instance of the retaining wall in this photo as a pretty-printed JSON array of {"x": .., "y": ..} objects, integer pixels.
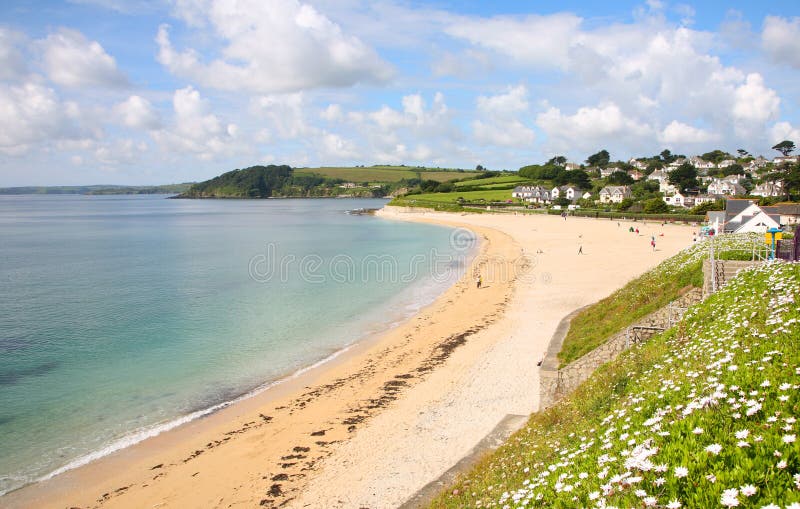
[{"x": 555, "y": 382}]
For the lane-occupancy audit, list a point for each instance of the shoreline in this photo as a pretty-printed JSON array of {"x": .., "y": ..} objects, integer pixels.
[
  {"x": 72, "y": 485},
  {"x": 369, "y": 336},
  {"x": 423, "y": 393}
]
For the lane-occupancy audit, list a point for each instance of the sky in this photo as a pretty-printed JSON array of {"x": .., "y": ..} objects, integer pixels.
[{"x": 166, "y": 91}]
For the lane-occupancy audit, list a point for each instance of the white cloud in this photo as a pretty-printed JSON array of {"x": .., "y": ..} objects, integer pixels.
[
  {"x": 754, "y": 104},
  {"x": 31, "y": 114},
  {"x": 338, "y": 148},
  {"x": 783, "y": 131},
  {"x": 514, "y": 101},
  {"x": 590, "y": 128},
  {"x": 287, "y": 114},
  {"x": 138, "y": 113},
  {"x": 533, "y": 40},
  {"x": 195, "y": 130},
  {"x": 678, "y": 133},
  {"x": 781, "y": 40},
  {"x": 12, "y": 62},
  {"x": 333, "y": 113},
  {"x": 73, "y": 61},
  {"x": 120, "y": 152},
  {"x": 507, "y": 134},
  {"x": 278, "y": 46}
]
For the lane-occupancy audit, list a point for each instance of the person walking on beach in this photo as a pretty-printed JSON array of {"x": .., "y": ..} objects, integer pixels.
[
  {"x": 480, "y": 282},
  {"x": 580, "y": 249},
  {"x": 653, "y": 243}
]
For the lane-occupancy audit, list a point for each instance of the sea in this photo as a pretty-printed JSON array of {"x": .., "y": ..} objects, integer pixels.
[{"x": 124, "y": 316}]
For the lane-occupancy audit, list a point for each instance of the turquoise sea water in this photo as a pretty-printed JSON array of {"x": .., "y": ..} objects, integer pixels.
[{"x": 120, "y": 316}]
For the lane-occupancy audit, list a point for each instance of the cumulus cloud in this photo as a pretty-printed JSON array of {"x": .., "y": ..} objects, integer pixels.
[
  {"x": 278, "y": 46},
  {"x": 12, "y": 62},
  {"x": 754, "y": 104},
  {"x": 678, "y": 133},
  {"x": 780, "y": 39},
  {"x": 499, "y": 123},
  {"x": 70, "y": 59},
  {"x": 137, "y": 112},
  {"x": 784, "y": 131},
  {"x": 591, "y": 127},
  {"x": 533, "y": 40},
  {"x": 31, "y": 114},
  {"x": 195, "y": 130}
]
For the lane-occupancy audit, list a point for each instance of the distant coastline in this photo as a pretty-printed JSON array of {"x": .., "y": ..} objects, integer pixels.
[{"x": 95, "y": 190}]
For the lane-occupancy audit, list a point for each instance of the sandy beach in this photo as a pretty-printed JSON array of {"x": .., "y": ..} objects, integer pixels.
[{"x": 391, "y": 414}]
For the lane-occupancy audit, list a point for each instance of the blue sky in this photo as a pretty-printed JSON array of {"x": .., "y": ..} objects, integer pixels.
[{"x": 151, "y": 91}]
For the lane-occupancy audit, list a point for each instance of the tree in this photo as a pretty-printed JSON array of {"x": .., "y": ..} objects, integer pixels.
[
  {"x": 599, "y": 159},
  {"x": 625, "y": 204},
  {"x": 667, "y": 156},
  {"x": 541, "y": 172},
  {"x": 480, "y": 168},
  {"x": 716, "y": 156},
  {"x": 707, "y": 206},
  {"x": 785, "y": 147},
  {"x": 619, "y": 178},
  {"x": 791, "y": 180},
  {"x": 684, "y": 177},
  {"x": 576, "y": 177},
  {"x": 655, "y": 206},
  {"x": 558, "y": 161},
  {"x": 743, "y": 153}
]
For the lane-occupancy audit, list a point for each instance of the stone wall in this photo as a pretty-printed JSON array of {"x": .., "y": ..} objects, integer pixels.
[{"x": 556, "y": 383}]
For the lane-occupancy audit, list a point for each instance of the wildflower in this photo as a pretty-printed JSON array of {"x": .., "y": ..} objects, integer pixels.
[
  {"x": 650, "y": 501},
  {"x": 711, "y": 478},
  {"x": 770, "y": 506},
  {"x": 781, "y": 464},
  {"x": 714, "y": 449},
  {"x": 730, "y": 498},
  {"x": 797, "y": 481},
  {"x": 674, "y": 504},
  {"x": 660, "y": 481},
  {"x": 697, "y": 431},
  {"x": 788, "y": 439},
  {"x": 681, "y": 472},
  {"x": 748, "y": 490},
  {"x": 741, "y": 435}
]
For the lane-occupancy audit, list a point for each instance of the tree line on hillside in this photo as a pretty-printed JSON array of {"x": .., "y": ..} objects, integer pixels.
[{"x": 270, "y": 182}]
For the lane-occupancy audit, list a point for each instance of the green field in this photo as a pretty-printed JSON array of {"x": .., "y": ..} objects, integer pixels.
[
  {"x": 374, "y": 174},
  {"x": 488, "y": 195},
  {"x": 502, "y": 180}
]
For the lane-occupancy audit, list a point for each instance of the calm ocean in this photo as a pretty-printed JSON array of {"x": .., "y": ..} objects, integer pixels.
[{"x": 121, "y": 316}]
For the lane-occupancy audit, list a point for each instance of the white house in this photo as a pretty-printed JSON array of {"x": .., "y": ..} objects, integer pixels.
[
  {"x": 701, "y": 164},
  {"x": 640, "y": 165},
  {"x": 772, "y": 188},
  {"x": 723, "y": 186},
  {"x": 614, "y": 194},
  {"x": 745, "y": 216},
  {"x": 606, "y": 172},
  {"x": 522, "y": 192},
  {"x": 571, "y": 193},
  {"x": 785, "y": 159},
  {"x": 662, "y": 176},
  {"x": 678, "y": 200},
  {"x": 726, "y": 163}
]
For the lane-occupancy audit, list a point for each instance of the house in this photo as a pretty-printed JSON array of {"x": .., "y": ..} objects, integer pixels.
[
  {"x": 785, "y": 159},
  {"x": 723, "y": 186},
  {"x": 726, "y": 163},
  {"x": 789, "y": 213},
  {"x": 636, "y": 174},
  {"x": 606, "y": 172},
  {"x": 662, "y": 176},
  {"x": 522, "y": 192},
  {"x": 745, "y": 216},
  {"x": 532, "y": 194},
  {"x": 614, "y": 194},
  {"x": 771, "y": 188},
  {"x": 706, "y": 198},
  {"x": 678, "y": 200},
  {"x": 639, "y": 165},
  {"x": 572, "y": 166},
  {"x": 571, "y": 193},
  {"x": 701, "y": 164},
  {"x": 677, "y": 162}
]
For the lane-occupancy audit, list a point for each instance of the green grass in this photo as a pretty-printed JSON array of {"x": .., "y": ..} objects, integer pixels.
[
  {"x": 645, "y": 294},
  {"x": 503, "y": 179},
  {"x": 488, "y": 195},
  {"x": 716, "y": 395},
  {"x": 378, "y": 174}
]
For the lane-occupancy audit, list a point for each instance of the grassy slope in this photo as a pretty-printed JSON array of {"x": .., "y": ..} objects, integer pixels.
[
  {"x": 488, "y": 195},
  {"x": 503, "y": 179},
  {"x": 645, "y": 294},
  {"x": 717, "y": 395}
]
